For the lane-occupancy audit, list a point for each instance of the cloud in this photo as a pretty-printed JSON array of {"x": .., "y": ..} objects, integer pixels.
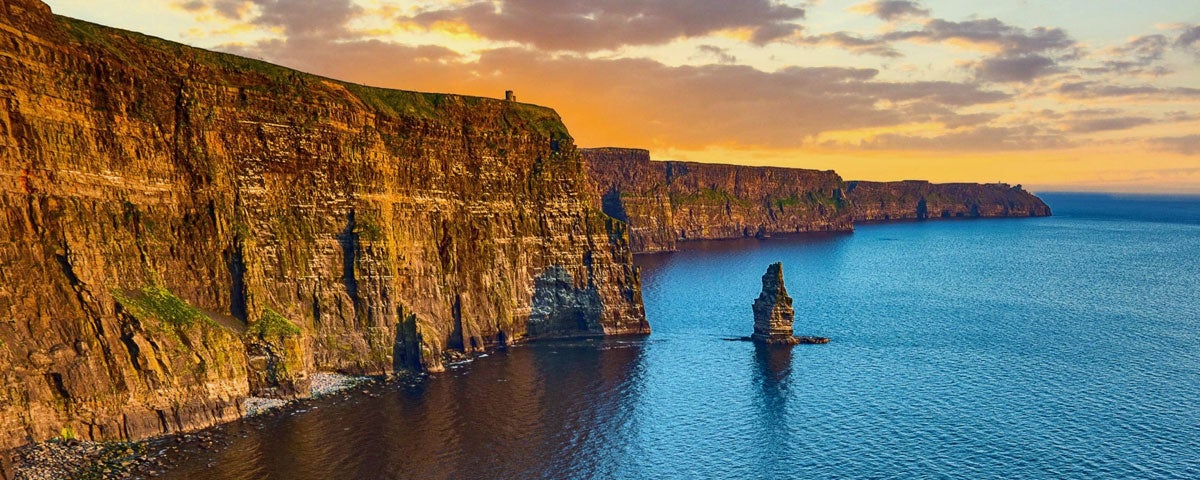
[
  {"x": 230, "y": 9},
  {"x": 591, "y": 25},
  {"x": 639, "y": 101},
  {"x": 853, "y": 43},
  {"x": 1189, "y": 39},
  {"x": 984, "y": 138},
  {"x": 315, "y": 18},
  {"x": 1092, "y": 125},
  {"x": 1014, "y": 69},
  {"x": 645, "y": 102},
  {"x": 1139, "y": 55},
  {"x": 1084, "y": 90},
  {"x": 990, "y": 35},
  {"x": 721, "y": 54},
  {"x": 1018, "y": 55},
  {"x": 891, "y": 10},
  {"x": 1187, "y": 145},
  {"x": 956, "y": 121},
  {"x": 297, "y": 18},
  {"x": 1182, "y": 116}
]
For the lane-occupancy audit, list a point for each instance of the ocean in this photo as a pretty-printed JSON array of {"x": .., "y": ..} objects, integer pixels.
[{"x": 1065, "y": 347}]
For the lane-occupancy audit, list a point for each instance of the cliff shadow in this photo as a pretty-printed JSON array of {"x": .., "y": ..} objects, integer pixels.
[
  {"x": 348, "y": 240},
  {"x": 406, "y": 346},
  {"x": 559, "y": 308},
  {"x": 612, "y": 205}
]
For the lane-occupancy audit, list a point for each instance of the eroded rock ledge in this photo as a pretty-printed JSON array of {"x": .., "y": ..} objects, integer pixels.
[{"x": 181, "y": 229}]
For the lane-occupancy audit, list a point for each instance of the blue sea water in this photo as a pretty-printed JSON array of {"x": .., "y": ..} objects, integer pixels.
[{"x": 1065, "y": 347}]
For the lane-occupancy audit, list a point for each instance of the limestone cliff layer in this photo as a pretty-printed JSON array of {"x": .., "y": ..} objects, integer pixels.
[
  {"x": 180, "y": 229},
  {"x": 666, "y": 202},
  {"x": 921, "y": 200}
]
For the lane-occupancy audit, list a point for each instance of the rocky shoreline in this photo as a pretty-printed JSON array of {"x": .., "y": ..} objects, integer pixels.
[{"x": 70, "y": 458}]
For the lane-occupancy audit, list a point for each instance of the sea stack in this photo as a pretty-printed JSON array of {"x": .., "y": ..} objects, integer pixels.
[{"x": 773, "y": 312}]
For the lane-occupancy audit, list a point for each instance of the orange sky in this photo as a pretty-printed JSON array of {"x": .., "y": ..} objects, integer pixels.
[{"x": 1066, "y": 95}]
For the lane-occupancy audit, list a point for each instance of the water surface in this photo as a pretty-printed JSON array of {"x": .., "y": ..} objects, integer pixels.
[{"x": 1061, "y": 347}]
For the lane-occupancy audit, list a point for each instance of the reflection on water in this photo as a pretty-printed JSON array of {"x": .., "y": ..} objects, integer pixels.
[
  {"x": 774, "y": 365},
  {"x": 561, "y": 407}
]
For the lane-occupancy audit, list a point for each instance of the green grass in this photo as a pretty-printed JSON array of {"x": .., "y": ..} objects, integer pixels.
[
  {"x": 155, "y": 302},
  {"x": 826, "y": 200},
  {"x": 707, "y": 196},
  {"x": 790, "y": 201},
  {"x": 543, "y": 120},
  {"x": 66, "y": 433},
  {"x": 402, "y": 103},
  {"x": 368, "y": 229},
  {"x": 272, "y": 324},
  {"x": 136, "y": 49}
]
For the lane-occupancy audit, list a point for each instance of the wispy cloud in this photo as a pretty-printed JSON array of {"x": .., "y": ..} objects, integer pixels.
[
  {"x": 590, "y": 25},
  {"x": 854, "y": 43},
  {"x": 1187, "y": 145},
  {"x": 892, "y": 10}
]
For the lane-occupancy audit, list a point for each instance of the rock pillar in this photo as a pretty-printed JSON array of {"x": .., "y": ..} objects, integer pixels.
[{"x": 773, "y": 312}]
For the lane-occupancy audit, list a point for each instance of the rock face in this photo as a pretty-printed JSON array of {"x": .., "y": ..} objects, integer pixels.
[
  {"x": 920, "y": 200},
  {"x": 180, "y": 229},
  {"x": 773, "y": 312},
  {"x": 666, "y": 202}
]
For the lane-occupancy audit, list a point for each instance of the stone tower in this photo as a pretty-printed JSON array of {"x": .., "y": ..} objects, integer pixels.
[
  {"x": 510, "y": 96},
  {"x": 773, "y": 312}
]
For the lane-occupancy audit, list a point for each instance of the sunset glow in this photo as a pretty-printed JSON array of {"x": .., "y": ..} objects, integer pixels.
[{"x": 1077, "y": 95}]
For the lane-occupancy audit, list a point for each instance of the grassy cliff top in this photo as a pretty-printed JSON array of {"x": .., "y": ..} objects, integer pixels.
[{"x": 136, "y": 49}]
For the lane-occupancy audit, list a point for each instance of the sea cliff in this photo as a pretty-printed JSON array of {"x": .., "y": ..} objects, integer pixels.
[
  {"x": 665, "y": 202},
  {"x": 182, "y": 229},
  {"x": 921, "y": 200}
]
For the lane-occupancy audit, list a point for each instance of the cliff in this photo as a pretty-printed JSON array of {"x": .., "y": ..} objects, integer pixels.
[
  {"x": 665, "y": 202},
  {"x": 181, "y": 229},
  {"x": 920, "y": 200}
]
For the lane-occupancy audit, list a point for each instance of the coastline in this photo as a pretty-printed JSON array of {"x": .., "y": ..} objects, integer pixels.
[{"x": 71, "y": 458}]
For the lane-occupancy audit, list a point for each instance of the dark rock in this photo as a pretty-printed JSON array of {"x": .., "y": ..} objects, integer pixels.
[{"x": 773, "y": 313}]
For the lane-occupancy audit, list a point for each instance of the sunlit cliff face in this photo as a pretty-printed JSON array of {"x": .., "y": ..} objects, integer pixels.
[{"x": 1075, "y": 94}]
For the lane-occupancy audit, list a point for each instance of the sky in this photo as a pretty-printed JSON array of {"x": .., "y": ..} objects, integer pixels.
[{"x": 1081, "y": 95}]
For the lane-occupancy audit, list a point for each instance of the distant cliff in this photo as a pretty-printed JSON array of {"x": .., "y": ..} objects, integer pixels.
[
  {"x": 920, "y": 200},
  {"x": 180, "y": 229},
  {"x": 668, "y": 202},
  {"x": 665, "y": 202}
]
